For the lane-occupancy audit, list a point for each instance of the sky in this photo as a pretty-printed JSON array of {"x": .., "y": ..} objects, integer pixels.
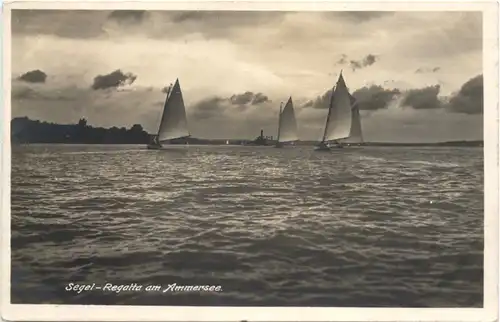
[{"x": 417, "y": 76}]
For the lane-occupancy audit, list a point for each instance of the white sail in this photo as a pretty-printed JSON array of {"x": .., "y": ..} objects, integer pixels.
[
  {"x": 173, "y": 122},
  {"x": 356, "y": 134},
  {"x": 287, "y": 131},
  {"x": 338, "y": 122}
]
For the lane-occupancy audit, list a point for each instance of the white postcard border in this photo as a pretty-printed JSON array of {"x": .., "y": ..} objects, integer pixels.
[{"x": 178, "y": 313}]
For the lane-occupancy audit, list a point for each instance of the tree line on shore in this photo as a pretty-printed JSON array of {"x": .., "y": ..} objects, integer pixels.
[{"x": 25, "y": 130}]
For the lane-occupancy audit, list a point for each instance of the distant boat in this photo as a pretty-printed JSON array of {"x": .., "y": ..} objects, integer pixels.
[
  {"x": 339, "y": 118},
  {"x": 227, "y": 142},
  {"x": 173, "y": 123},
  {"x": 287, "y": 125},
  {"x": 261, "y": 140}
]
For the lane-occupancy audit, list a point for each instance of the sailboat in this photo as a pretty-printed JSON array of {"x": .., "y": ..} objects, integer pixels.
[
  {"x": 173, "y": 123},
  {"x": 339, "y": 118},
  {"x": 356, "y": 134},
  {"x": 287, "y": 125}
]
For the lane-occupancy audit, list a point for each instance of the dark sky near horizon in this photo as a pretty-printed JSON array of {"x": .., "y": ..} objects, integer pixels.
[{"x": 416, "y": 75}]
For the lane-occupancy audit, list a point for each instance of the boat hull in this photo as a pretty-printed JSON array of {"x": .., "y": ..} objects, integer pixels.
[
  {"x": 326, "y": 147},
  {"x": 154, "y": 147},
  {"x": 322, "y": 149},
  {"x": 284, "y": 144},
  {"x": 168, "y": 147}
]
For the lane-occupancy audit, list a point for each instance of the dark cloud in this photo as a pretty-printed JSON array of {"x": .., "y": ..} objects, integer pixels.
[
  {"x": 128, "y": 16},
  {"x": 208, "y": 108},
  {"x": 26, "y": 93},
  {"x": 226, "y": 18},
  {"x": 374, "y": 97},
  {"x": 62, "y": 23},
  {"x": 216, "y": 106},
  {"x": 36, "y": 92},
  {"x": 248, "y": 98},
  {"x": 342, "y": 60},
  {"x": 320, "y": 102},
  {"x": 365, "y": 62},
  {"x": 427, "y": 70},
  {"x": 422, "y": 98},
  {"x": 359, "y": 16},
  {"x": 113, "y": 80},
  {"x": 242, "y": 99},
  {"x": 160, "y": 23},
  {"x": 260, "y": 98},
  {"x": 469, "y": 99},
  {"x": 34, "y": 76}
]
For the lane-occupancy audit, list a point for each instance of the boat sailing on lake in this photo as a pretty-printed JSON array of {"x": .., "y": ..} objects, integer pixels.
[
  {"x": 339, "y": 118},
  {"x": 173, "y": 123},
  {"x": 287, "y": 126}
]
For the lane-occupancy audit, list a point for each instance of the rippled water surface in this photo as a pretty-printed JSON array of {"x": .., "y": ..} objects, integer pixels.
[{"x": 367, "y": 226}]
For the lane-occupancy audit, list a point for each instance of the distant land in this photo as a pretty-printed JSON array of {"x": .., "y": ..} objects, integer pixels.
[{"x": 25, "y": 130}]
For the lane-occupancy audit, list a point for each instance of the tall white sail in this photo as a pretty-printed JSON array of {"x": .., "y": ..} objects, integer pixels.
[
  {"x": 173, "y": 122},
  {"x": 356, "y": 134},
  {"x": 287, "y": 131},
  {"x": 338, "y": 121}
]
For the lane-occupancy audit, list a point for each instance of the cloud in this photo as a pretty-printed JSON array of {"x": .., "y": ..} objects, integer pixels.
[
  {"x": 62, "y": 23},
  {"x": 342, "y": 60},
  {"x": 37, "y": 92},
  {"x": 34, "y": 76},
  {"x": 365, "y": 62},
  {"x": 260, "y": 98},
  {"x": 427, "y": 70},
  {"x": 223, "y": 18},
  {"x": 368, "y": 98},
  {"x": 248, "y": 98},
  {"x": 374, "y": 97},
  {"x": 242, "y": 99},
  {"x": 422, "y": 98},
  {"x": 209, "y": 108},
  {"x": 469, "y": 99},
  {"x": 128, "y": 16},
  {"x": 220, "y": 107},
  {"x": 363, "y": 16},
  {"x": 114, "y": 79},
  {"x": 321, "y": 102},
  {"x": 368, "y": 60}
]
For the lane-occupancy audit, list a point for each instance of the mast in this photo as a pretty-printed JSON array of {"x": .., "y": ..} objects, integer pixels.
[{"x": 279, "y": 121}]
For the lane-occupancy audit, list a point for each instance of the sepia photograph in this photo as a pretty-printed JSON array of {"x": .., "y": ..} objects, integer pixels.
[{"x": 250, "y": 156}]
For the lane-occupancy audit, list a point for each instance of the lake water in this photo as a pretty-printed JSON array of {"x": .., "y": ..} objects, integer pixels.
[{"x": 367, "y": 226}]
